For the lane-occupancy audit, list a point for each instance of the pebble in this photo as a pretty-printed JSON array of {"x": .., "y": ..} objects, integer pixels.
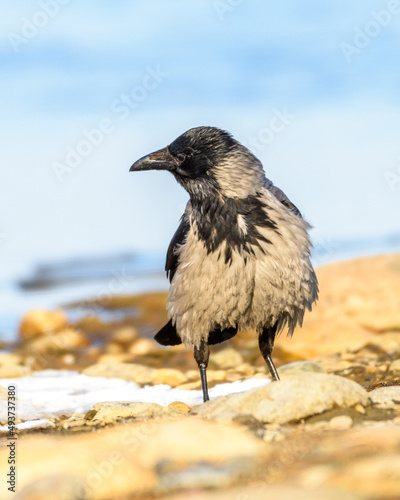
[
  {"x": 8, "y": 358},
  {"x": 143, "y": 347},
  {"x": 57, "y": 342},
  {"x": 341, "y": 422},
  {"x": 112, "y": 358},
  {"x": 111, "y": 411},
  {"x": 114, "y": 348},
  {"x": 37, "y": 322},
  {"x": 214, "y": 375},
  {"x": 291, "y": 399},
  {"x": 178, "y": 408},
  {"x": 14, "y": 371},
  {"x": 300, "y": 367},
  {"x": 125, "y": 335},
  {"x": 386, "y": 396},
  {"x": 169, "y": 376},
  {"x": 263, "y": 490}
]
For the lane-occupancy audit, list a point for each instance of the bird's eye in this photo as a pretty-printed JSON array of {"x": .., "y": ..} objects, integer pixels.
[{"x": 181, "y": 157}]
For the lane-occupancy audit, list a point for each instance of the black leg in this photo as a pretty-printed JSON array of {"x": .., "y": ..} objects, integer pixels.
[
  {"x": 201, "y": 355},
  {"x": 266, "y": 343}
]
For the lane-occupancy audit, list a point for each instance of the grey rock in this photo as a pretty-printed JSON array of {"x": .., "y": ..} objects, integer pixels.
[
  {"x": 386, "y": 396},
  {"x": 300, "y": 367},
  {"x": 291, "y": 399},
  {"x": 341, "y": 423},
  {"x": 110, "y": 411}
]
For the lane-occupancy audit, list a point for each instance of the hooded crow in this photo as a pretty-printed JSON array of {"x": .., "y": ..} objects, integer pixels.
[{"x": 240, "y": 258}]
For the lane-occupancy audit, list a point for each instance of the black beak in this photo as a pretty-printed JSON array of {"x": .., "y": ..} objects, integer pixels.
[{"x": 159, "y": 160}]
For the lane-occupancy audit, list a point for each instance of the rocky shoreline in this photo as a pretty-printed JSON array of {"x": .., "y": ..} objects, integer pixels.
[{"x": 329, "y": 429}]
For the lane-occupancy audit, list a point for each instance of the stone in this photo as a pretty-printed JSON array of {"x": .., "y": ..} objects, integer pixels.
[
  {"x": 227, "y": 357},
  {"x": 386, "y": 396},
  {"x": 265, "y": 491},
  {"x": 340, "y": 423},
  {"x": 14, "y": 371},
  {"x": 136, "y": 459},
  {"x": 194, "y": 374},
  {"x": 125, "y": 335},
  {"x": 178, "y": 408},
  {"x": 214, "y": 375},
  {"x": 114, "y": 348},
  {"x": 111, "y": 411},
  {"x": 143, "y": 347},
  {"x": 395, "y": 366},
  {"x": 299, "y": 367},
  {"x": 37, "y": 322},
  {"x": 108, "y": 359},
  {"x": 292, "y": 399},
  {"x": 132, "y": 372},
  {"x": 8, "y": 358},
  {"x": 169, "y": 376},
  {"x": 57, "y": 343}
]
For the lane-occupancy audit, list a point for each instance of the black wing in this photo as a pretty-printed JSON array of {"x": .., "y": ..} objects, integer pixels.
[
  {"x": 169, "y": 336},
  {"x": 178, "y": 239},
  {"x": 281, "y": 196}
]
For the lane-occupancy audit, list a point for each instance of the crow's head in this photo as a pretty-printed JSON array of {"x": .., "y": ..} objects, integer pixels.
[{"x": 207, "y": 160}]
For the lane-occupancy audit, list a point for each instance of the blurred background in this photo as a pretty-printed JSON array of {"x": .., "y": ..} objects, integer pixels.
[{"x": 86, "y": 89}]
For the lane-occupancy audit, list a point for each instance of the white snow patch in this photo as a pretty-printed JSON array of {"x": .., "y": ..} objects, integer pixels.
[{"x": 51, "y": 393}]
